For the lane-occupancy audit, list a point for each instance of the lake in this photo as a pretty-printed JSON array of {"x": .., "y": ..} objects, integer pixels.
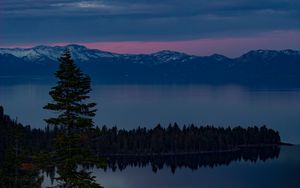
[
  {"x": 130, "y": 106},
  {"x": 283, "y": 171}
]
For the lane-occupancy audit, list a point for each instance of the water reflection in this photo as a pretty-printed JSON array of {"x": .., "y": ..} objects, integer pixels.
[
  {"x": 279, "y": 173},
  {"x": 194, "y": 161},
  {"x": 121, "y": 167}
]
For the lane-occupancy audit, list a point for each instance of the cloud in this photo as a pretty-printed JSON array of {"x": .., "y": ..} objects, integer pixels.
[
  {"x": 82, "y": 5},
  {"x": 35, "y": 21},
  {"x": 229, "y": 46},
  {"x": 171, "y": 8}
]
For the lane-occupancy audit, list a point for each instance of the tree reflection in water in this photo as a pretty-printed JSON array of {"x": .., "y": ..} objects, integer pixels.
[{"x": 193, "y": 161}]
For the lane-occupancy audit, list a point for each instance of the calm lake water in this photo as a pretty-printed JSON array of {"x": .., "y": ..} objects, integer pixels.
[
  {"x": 278, "y": 173},
  {"x": 282, "y": 172},
  {"x": 130, "y": 106}
]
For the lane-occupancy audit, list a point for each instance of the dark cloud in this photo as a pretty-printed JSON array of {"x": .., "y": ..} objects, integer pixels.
[{"x": 36, "y": 21}]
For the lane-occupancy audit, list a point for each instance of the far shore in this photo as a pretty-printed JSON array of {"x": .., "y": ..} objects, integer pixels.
[{"x": 236, "y": 149}]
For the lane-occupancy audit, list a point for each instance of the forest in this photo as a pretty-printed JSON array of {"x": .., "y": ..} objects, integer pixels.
[
  {"x": 142, "y": 141},
  {"x": 176, "y": 140}
]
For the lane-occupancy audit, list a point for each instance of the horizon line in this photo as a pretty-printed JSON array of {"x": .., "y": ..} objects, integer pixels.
[{"x": 61, "y": 45}]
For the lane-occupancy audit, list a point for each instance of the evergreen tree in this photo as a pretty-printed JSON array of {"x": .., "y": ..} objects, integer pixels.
[{"x": 74, "y": 118}]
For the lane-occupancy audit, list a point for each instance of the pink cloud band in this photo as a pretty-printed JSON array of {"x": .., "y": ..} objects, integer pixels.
[{"x": 230, "y": 46}]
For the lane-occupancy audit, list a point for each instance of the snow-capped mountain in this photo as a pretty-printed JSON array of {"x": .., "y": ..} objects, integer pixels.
[
  {"x": 267, "y": 55},
  {"x": 257, "y": 66},
  {"x": 82, "y": 54},
  {"x": 43, "y": 53}
]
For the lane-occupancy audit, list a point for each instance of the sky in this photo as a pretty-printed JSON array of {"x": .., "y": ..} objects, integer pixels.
[{"x": 200, "y": 27}]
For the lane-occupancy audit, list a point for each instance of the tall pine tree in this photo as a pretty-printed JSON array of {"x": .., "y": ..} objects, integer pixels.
[{"x": 72, "y": 150}]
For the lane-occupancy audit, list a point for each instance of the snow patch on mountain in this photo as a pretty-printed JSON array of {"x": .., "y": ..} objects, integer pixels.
[{"x": 171, "y": 56}]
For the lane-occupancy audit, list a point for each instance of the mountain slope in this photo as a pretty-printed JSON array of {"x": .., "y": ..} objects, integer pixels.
[{"x": 254, "y": 67}]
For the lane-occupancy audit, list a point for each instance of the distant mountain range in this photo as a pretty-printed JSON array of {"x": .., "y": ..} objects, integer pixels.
[{"x": 255, "y": 67}]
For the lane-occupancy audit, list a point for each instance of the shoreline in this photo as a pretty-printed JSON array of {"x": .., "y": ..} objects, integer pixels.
[{"x": 236, "y": 149}]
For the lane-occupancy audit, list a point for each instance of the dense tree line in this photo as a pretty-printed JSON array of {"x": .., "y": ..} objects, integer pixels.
[
  {"x": 159, "y": 140},
  {"x": 174, "y": 140}
]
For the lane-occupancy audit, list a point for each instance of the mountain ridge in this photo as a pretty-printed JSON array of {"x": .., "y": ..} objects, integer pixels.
[
  {"x": 80, "y": 48},
  {"x": 255, "y": 67}
]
